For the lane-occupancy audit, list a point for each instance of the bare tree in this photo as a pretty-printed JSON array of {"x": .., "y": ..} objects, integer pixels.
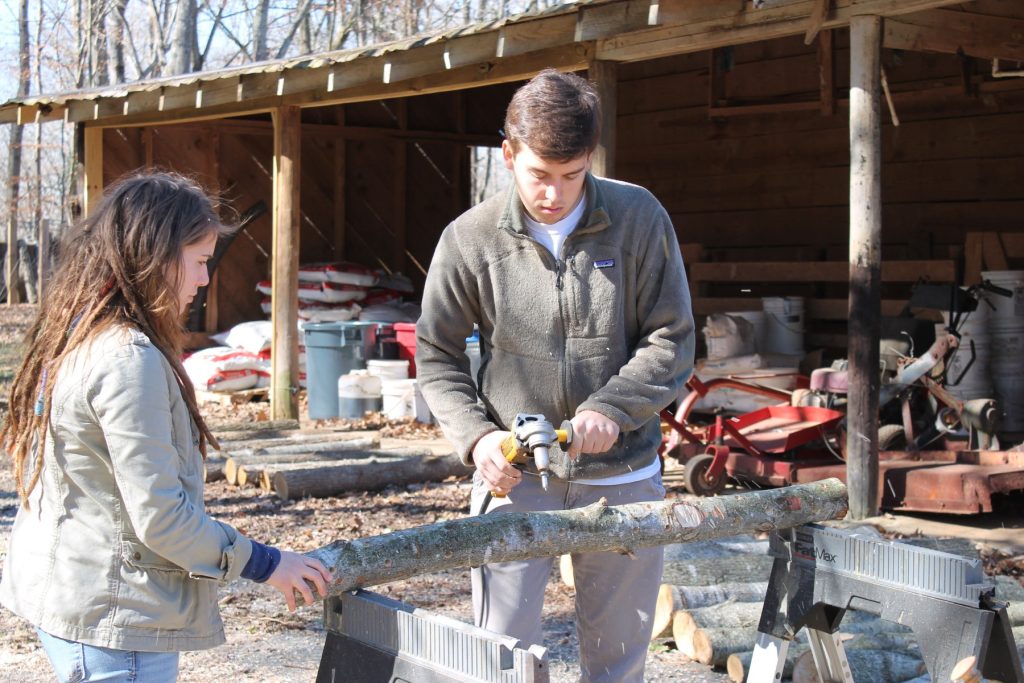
[
  {"x": 14, "y": 159},
  {"x": 183, "y": 45}
]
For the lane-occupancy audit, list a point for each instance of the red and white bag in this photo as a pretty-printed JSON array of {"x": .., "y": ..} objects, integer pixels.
[
  {"x": 223, "y": 369},
  {"x": 345, "y": 273},
  {"x": 264, "y": 287}
]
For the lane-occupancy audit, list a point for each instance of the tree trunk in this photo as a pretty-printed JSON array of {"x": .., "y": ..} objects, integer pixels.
[
  {"x": 257, "y": 430},
  {"x": 246, "y": 446},
  {"x": 870, "y": 665},
  {"x": 259, "y": 32},
  {"x": 738, "y": 665},
  {"x": 674, "y": 598},
  {"x": 184, "y": 38},
  {"x": 14, "y": 160},
  {"x": 249, "y": 470},
  {"x": 322, "y": 481},
  {"x": 477, "y": 540}
]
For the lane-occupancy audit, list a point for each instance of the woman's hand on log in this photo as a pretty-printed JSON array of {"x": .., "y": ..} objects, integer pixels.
[
  {"x": 592, "y": 432},
  {"x": 296, "y": 572},
  {"x": 498, "y": 472}
]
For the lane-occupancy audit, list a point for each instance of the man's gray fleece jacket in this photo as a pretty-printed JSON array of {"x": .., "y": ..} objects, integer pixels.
[{"x": 606, "y": 327}]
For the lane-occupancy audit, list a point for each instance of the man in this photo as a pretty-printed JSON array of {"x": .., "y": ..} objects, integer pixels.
[{"x": 577, "y": 286}]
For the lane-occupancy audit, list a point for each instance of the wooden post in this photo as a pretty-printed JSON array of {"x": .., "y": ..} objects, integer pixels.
[
  {"x": 92, "y": 186},
  {"x": 211, "y": 317},
  {"x": 284, "y": 376},
  {"x": 43, "y": 258},
  {"x": 401, "y": 183},
  {"x": 339, "y": 185},
  {"x": 604, "y": 75},
  {"x": 865, "y": 264},
  {"x": 826, "y": 73}
]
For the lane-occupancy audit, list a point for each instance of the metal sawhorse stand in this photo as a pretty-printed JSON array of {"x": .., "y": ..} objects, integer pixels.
[
  {"x": 944, "y": 599},
  {"x": 373, "y": 639}
]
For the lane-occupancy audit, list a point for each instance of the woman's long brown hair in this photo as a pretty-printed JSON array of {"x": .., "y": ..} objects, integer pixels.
[{"x": 117, "y": 267}]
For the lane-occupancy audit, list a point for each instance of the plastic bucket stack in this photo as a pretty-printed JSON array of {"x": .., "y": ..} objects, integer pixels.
[
  {"x": 783, "y": 324},
  {"x": 1006, "y": 327},
  {"x": 401, "y": 398},
  {"x": 358, "y": 392},
  {"x": 334, "y": 349}
]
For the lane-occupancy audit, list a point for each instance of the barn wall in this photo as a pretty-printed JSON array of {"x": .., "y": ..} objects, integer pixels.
[{"x": 774, "y": 187}]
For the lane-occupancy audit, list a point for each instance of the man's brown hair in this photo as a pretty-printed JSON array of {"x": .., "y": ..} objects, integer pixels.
[{"x": 557, "y": 115}]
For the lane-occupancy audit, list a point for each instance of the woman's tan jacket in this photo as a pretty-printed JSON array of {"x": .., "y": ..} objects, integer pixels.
[{"x": 116, "y": 549}]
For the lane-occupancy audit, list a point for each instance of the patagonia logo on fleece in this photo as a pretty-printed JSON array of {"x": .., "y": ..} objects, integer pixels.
[{"x": 606, "y": 263}]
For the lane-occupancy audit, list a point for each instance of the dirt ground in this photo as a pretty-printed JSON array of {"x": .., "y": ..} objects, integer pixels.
[{"x": 267, "y": 643}]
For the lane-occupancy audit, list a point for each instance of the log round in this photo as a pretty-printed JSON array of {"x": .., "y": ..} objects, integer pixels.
[
  {"x": 502, "y": 537},
  {"x": 870, "y": 665}
]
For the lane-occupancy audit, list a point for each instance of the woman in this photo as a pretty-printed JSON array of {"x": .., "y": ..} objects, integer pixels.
[{"x": 112, "y": 556}]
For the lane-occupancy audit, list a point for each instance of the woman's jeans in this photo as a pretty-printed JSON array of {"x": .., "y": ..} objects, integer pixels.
[{"x": 77, "y": 662}]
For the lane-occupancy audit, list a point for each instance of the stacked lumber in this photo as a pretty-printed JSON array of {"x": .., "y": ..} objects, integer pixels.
[{"x": 296, "y": 463}]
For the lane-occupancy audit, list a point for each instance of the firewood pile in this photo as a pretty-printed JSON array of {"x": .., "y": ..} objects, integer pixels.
[
  {"x": 331, "y": 457},
  {"x": 710, "y": 602}
]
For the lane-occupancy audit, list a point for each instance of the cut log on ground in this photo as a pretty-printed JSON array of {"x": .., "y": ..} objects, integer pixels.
[
  {"x": 355, "y": 448},
  {"x": 263, "y": 476},
  {"x": 717, "y": 647},
  {"x": 738, "y": 546},
  {"x": 738, "y": 665},
  {"x": 297, "y": 481},
  {"x": 213, "y": 468},
  {"x": 503, "y": 537},
  {"x": 1008, "y": 588},
  {"x": 870, "y": 665},
  {"x": 674, "y": 598},
  {"x": 710, "y": 571},
  {"x": 247, "y": 429},
  {"x": 565, "y": 570},
  {"x": 331, "y": 445},
  {"x": 299, "y": 437}
]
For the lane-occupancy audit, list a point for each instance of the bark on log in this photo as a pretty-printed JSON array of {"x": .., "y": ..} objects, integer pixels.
[
  {"x": 264, "y": 476},
  {"x": 329, "y": 446},
  {"x": 674, "y": 598},
  {"x": 249, "y": 429},
  {"x": 870, "y": 665},
  {"x": 372, "y": 474},
  {"x": 474, "y": 541},
  {"x": 356, "y": 448},
  {"x": 713, "y": 571},
  {"x": 737, "y": 665},
  {"x": 241, "y": 446},
  {"x": 715, "y": 646}
]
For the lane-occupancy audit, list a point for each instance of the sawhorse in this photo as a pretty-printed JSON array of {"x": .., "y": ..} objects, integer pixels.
[{"x": 821, "y": 572}]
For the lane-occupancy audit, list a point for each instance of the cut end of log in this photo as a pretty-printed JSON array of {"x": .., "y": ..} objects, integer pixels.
[
  {"x": 565, "y": 570},
  {"x": 735, "y": 669},
  {"x": 231, "y": 471},
  {"x": 683, "y": 627},
  {"x": 663, "y": 608},
  {"x": 703, "y": 651}
]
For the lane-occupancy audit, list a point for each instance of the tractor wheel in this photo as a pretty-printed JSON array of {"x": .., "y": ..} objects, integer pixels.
[{"x": 696, "y": 480}]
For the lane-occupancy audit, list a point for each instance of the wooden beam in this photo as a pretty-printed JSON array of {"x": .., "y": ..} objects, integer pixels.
[
  {"x": 93, "y": 166},
  {"x": 526, "y": 36},
  {"x": 827, "y": 73},
  {"x": 865, "y": 263},
  {"x": 816, "y": 309},
  {"x": 687, "y": 26},
  {"x": 818, "y": 15},
  {"x": 716, "y": 80},
  {"x": 284, "y": 377},
  {"x": 952, "y": 31},
  {"x": 572, "y": 57},
  {"x": 605, "y": 78},
  {"x": 822, "y": 271}
]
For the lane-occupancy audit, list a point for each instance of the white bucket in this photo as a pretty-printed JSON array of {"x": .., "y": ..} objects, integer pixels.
[
  {"x": 358, "y": 392},
  {"x": 783, "y": 324},
  {"x": 402, "y": 398},
  {"x": 1006, "y": 327},
  {"x": 388, "y": 369},
  {"x": 726, "y": 336},
  {"x": 756, "y": 318}
]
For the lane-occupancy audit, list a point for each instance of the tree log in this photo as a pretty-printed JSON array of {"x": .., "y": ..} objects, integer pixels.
[
  {"x": 263, "y": 476},
  {"x": 738, "y": 664},
  {"x": 245, "y": 429},
  {"x": 715, "y": 646},
  {"x": 297, "y": 481},
  {"x": 713, "y": 571},
  {"x": 213, "y": 468},
  {"x": 674, "y": 598},
  {"x": 242, "y": 446},
  {"x": 354, "y": 448},
  {"x": 328, "y": 446},
  {"x": 473, "y": 541},
  {"x": 870, "y": 665}
]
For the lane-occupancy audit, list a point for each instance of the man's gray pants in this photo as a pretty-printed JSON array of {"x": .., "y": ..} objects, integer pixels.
[{"x": 615, "y": 594}]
